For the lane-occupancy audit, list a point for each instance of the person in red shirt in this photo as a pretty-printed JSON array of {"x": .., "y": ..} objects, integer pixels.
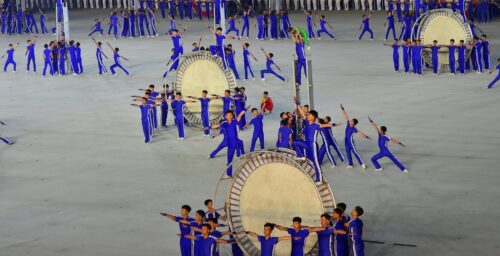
[{"x": 266, "y": 103}]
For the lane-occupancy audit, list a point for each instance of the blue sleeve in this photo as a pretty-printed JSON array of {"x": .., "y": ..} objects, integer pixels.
[
  {"x": 354, "y": 130},
  {"x": 178, "y": 219},
  {"x": 260, "y": 238},
  {"x": 290, "y": 230}
]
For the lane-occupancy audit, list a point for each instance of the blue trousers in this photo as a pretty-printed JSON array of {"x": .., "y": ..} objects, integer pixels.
[
  {"x": 389, "y": 28},
  {"x": 164, "y": 115},
  {"x": 239, "y": 150},
  {"x": 245, "y": 28},
  {"x": 395, "y": 59},
  {"x": 324, "y": 30},
  {"x": 325, "y": 149},
  {"x": 451, "y": 62},
  {"x": 260, "y": 32},
  {"x": 185, "y": 247},
  {"x": 115, "y": 30},
  {"x": 301, "y": 66},
  {"x": 260, "y": 137},
  {"x": 461, "y": 65},
  {"x": 7, "y": 63},
  {"x": 62, "y": 67},
  {"x": 43, "y": 28},
  {"x": 6, "y": 140},
  {"x": 117, "y": 65},
  {"x": 406, "y": 62},
  {"x": 366, "y": 30},
  {"x": 358, "y": 247},
  {"x": 388, "y": 154},
  {"x": 146, "y": 131},
  {"x": 494, "y": 81},
  {"x": 435, "y": 65},
  {"x": 179, "y": 122},
  {"x": 49, "y": 65},
  {"x": 74, "y": 65},
  {"x": 248, "y": 68},
  {"x": 205, "y": 120},
  {"x": 310, "y": 31},
  {"x": 235, "y": 71},
  {"x": 237, "y": 31},
  {"x": 311, "y": 152},
  {"x": 271, "y": 71},
  {"x": 31, "y": 59},
  {"x": 231, "y": 149},
  {"x": 95, "y": 31},
  {"x": 486, "y": 58},
  {"x": 350, "y": 149},
  {"x": 102, "y": 68}
]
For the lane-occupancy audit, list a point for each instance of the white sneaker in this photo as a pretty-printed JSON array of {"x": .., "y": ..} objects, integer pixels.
[
  {"x": 319, "y": 38},
  {"x": 182, "y": 138},
  {"x": 349, "y": 167},
  {"x": 318, "y": 183},
  {"x": 263, "y": 79},
  {"x": 405, "y": 171},
  {"x": 333, "y": 166},
  {"x": 363, "y": 166},
  {"x": 378, "y": 170}
]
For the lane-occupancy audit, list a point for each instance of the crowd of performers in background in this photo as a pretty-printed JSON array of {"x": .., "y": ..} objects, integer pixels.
[{"x": 337, "y": 233}]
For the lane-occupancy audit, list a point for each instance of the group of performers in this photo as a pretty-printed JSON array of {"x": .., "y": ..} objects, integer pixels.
[{"x": 338, "y": 233}]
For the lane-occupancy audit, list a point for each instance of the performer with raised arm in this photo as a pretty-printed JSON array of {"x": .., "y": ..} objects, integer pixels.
[
  {"x": 498, "y": 75},
  {"x": 258, "y": 129},
  {"x": 183, "y": 220},
  {"x": 205, "y": 115},
  {"x": 116, "y": 57},
  {"x": 30, "y": 53},
  {"x": 350, "y": 147},
  {"x": 10, "y": 57},
  {"x": 99, "y": 53},
  {"x": 267, "y": 242},
  {"x": 365, "y": 25},
  {"x": 206, "y": 243},
  {"x": 325, "y": 233},
  {"x": 269, "y": 67},
  {"x": 329, "y": 141},
  {"x": 383, "y": 144}
]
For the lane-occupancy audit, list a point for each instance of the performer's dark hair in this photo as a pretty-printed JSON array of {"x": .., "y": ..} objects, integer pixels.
[
  {"x": 269, "y": 225},
  {"x": 339, "y": 211},
  {"x": 359, "y": 210},
  {"x": 254, "y": 109},
  {"x": 383, "y": 129},
  {"x": 355, "y": 121},
  {"x": 186, "y": 207},
  {"x": 208, "y": 201},
  {"x": 297, "y": 219},
  {"x": 313, "y": 113},
  {"x": 284, "y": 122},
  {"x": 326, "y": 216},
  {"x": 201, "y": 213},
  {"x": 342, "y": 206}
]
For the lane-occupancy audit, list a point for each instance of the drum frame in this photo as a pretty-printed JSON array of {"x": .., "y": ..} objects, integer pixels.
[
  {"x": 421, "y": 24},
  {"x": 188, "y": 59},
  {"x": 243, "y": 167}
]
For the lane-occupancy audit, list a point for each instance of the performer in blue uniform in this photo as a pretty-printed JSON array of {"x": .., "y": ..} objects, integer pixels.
[
  {"x": 390, "y": 26},
  {"x": 246, "y": 24},
  {"x": 340, "y": 237},
  {"x": 47, "y": 60},
  {"x": 178, "y": 108},
  {"x": 435, "y": 56},
  {"x": 232, "y": 26},
  {"x": 452, "y": 49},
  {"x": 229, "y": 52},
  {"x": 350, "y": 147},
  {"x": 258, "y": 129},
  {"x": 96, "y": 28},
  {"x": 267, "y": 242},
  {"x": 247, "y": 64},
  {"x": 356, "y": 232},
  {"x": 395, "y": 54},
  {"x": 10, "y": 57},
  {"x": 365, "y": 25},
  {"x": 298, "y": 236},
  {"x": 485, "y": 51},
  {"x": 285, "y": 135},
  {"x": 99, "y": 53},
  {"x": 462, "y": 49},
  {"x": 145, "y": 109},
  {"x": 329, "y": 141},
  {"x": 205, "y": 115},
  {"x": 269, "y": 67},
  {"x": 116, "y": 57},
  {"x": 185, "y": 229},
  {"x": 405, "y": 48},
  {"x": 322, "y": 24},
  {"x": 310, "y": 24},
  {"x": 206, "y": 242},
  {"x": 30, "y": 52},
  {"x": 383, "y": 144}
]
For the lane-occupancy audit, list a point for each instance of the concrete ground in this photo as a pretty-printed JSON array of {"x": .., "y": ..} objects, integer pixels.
[{"x": 80, "y": 181}]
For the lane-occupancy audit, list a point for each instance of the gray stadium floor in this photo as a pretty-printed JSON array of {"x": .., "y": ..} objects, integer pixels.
[{"x": 80, "y": 181}]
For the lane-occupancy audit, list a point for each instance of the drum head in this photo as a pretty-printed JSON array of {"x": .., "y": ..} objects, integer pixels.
[
  {"x": 201, "y": 71},
  {"x": 442, "y": 25},
  {"x": 272, "y": 187}
]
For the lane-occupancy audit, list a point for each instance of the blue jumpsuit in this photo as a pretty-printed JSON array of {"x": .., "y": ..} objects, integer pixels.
[
  {"x": 390, "y": 27},
  {"x": 113, "y": 25},
  {"x": 486, "y": 54},
  {"x": 232, "y": 142},
  {"x": 72, "y": 57},
  {"x": 145, "y": 122},
  {"x": 199, "y": 9},
  {"x": 247, "y": 65},
  {"x": 298, "y": 241},
  {"x": 232, "y": 27},
  {"x": 226, "y": 104},
  {"x": 301, "y": 62},
  {"x": 461, "y": 59},
  {"x": 10, "y": 60},
  {"x": 78, "y": 52},
  {"x": 173, "y": 26},
  {"x": 133, "y": 25},
  {"x": 31, "y": 57},
  {"x": 350, "y": 146},
  {"x": 47, "y": 62},
  {"x": 340, "y": 241},
  {"x": 310, "y": 30},
  {"x": 285, "y": 24},
  {"x": 366, "y": 28},
  {"x": 172, "y": 7},
  {"x": 232, "y": 65},
  {"x": 310, "y": 146},
  {"x": 100, "y": 62},
  {"x": 435, "y": 59},
  {"x": 178, "y": 106},
  {"x": 406, "y": 57},
  {"x": 269, "y": 70},
  {"x": 478, "y": 64},
  {"x": 383, "y": 141},
  {"x": 207, "y": 8},
  {"x": 185, "y": 243},
  {"x": 117, "y": 64},
  {"x": 163, "y": 9},
  {"x": 451, "y": 58},
  {"x": 496, "y": 78},
  {"x": 181, "y": 9},
  {"x": 274, "y": 27},
  {"x": 329, "y": 141},
  {"x": 175, "y": 63},
  {"x": 205, "y": 116},
  {"x": 62, "y": 61},
  {"x": 260, "y": 27},
  {"x": 258, "y": 131},
  {"x": 356, "y": 230},
  {"x": 284, "y": 137},
  {"x": 206, "y": 246}
]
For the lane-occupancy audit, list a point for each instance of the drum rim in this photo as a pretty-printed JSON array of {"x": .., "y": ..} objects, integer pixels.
[{"x": 323, "y": 194}]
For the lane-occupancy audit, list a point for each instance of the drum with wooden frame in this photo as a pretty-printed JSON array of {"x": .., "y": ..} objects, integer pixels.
[{"x": 270, "y": 186}]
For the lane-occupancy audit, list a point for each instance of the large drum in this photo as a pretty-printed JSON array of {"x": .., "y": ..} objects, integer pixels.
[
  {"x": 442, "y": 25},
  {"x": 270, "y": 186},
  {"x": 201, "y": 71}
]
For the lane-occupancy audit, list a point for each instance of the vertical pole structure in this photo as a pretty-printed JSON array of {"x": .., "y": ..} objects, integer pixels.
[
  {"x": 309, "y": 89},
  {"x": 296, "y": 95}
]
